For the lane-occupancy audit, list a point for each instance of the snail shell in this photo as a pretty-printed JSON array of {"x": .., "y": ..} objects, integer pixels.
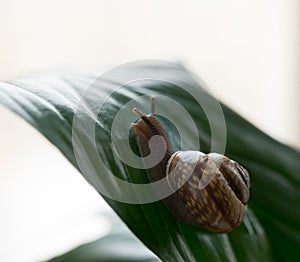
[
  {"x": 216, "y": 191},
  {"x": 210, "y": 190}
]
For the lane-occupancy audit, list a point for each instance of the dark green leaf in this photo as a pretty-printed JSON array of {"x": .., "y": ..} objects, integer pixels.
[{"x": 271, "y": 228}]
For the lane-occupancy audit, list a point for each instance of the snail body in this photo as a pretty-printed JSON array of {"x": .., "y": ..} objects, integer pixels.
[{"x": 210, "y": 190}]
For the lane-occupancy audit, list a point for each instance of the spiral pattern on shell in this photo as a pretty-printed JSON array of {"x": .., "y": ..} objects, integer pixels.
[{"x": 216, "y": 191}]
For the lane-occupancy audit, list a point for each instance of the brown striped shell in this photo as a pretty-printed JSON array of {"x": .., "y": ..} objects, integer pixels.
[
  {"x": 215, "y": 191},
  {"x": 210, "y": 190}
]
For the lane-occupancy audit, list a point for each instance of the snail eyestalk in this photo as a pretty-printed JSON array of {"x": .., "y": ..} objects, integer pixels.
[
  {"x": 138, "y": 112},
  {"x": 152, "y": 105}
]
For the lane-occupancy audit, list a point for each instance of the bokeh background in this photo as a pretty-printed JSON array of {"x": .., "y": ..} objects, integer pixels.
[{"x": 246, "y": 51}]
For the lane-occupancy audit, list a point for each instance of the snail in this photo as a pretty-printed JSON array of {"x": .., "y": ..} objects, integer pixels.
[{"x": 210, "y": 191}]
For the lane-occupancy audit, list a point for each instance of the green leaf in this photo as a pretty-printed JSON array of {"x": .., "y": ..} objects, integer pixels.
[
  {"x": 271, "y": 228},
  {"x": 118, "y": 245},
  {"x": 114, "y": 247}
]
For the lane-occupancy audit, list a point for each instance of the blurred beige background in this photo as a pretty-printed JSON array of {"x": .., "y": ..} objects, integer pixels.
[{"x": 246, "y": 51}]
